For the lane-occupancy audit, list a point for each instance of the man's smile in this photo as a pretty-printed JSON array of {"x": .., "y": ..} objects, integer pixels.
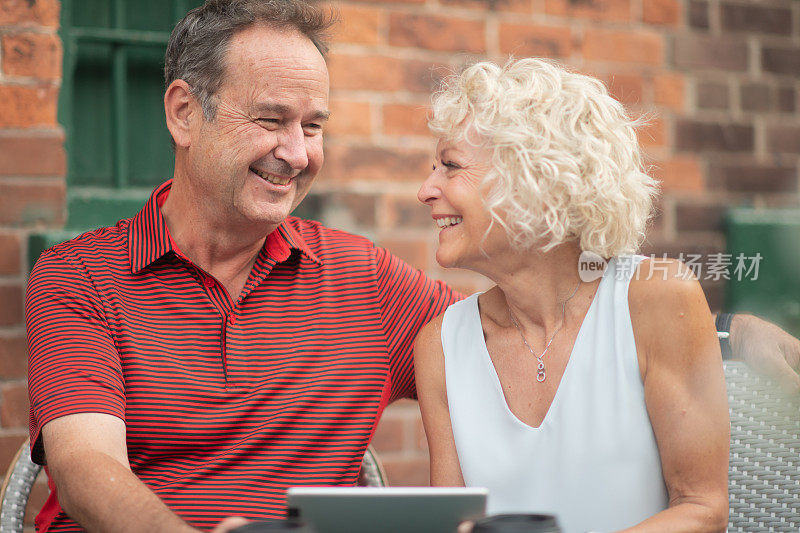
[{"x": 272, "y": 178}]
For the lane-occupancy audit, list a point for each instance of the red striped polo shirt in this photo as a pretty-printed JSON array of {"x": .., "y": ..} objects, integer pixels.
[{"x": 226, "y": 402}]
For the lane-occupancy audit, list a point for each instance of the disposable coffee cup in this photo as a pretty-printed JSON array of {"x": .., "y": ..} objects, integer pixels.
[
  {"x": 517, "y": 523},
  {"x": 294, "y": 525}
]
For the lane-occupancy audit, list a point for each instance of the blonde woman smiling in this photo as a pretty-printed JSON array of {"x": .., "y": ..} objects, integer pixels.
[{"x": 602, "y": 401}]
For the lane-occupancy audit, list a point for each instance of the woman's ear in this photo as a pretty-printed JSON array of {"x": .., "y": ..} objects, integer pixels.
[{"x": 178, "y": 108}]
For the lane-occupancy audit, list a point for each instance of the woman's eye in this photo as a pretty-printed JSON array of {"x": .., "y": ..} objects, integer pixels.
[{"x": 451, "y": 165}]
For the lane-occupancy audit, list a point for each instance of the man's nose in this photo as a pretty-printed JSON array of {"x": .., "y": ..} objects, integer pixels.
[{"x": 292, "y": 148}]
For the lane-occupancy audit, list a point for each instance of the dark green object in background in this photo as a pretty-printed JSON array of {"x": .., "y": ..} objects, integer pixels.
[{"x": 775, "y": 293}]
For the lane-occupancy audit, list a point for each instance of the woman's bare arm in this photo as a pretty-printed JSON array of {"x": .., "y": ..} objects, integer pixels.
[
  {"x": 429, "y": 369},
  {"x": 684, "y": 388}
]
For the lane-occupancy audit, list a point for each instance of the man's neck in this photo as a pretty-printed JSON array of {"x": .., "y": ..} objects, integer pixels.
[{"x": 225, "y": 251}]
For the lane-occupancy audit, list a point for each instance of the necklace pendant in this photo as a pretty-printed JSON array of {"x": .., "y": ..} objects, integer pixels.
[{"x": 540, "y": 376}]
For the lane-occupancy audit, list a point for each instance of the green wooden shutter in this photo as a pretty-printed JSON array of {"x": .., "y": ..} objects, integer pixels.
[{"x": 111, "y": 104}]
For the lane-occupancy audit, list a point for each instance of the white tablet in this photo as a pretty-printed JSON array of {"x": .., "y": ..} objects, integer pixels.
[{"x": 388, "y": 510}]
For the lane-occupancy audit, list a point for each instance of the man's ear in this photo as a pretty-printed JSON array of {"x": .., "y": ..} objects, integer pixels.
[{"x": 179, "y": 105}]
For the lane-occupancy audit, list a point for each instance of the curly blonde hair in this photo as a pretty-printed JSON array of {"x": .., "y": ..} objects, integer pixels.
[{"x": 566, "y": 162}]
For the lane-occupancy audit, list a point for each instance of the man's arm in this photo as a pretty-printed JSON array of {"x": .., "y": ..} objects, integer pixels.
[
  {"x": 766, "y": 348},
  {"x": 88, "y": 461}
]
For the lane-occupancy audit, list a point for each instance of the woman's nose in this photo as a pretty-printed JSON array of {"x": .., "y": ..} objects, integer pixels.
[{"x": 429, "y": 190}]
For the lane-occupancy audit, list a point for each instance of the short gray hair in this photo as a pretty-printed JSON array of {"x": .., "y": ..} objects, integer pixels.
[{"x": 198, "y": 43}]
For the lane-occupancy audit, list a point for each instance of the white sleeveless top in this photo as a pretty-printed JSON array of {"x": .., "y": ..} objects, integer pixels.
[{"x": 593, "y": 462}]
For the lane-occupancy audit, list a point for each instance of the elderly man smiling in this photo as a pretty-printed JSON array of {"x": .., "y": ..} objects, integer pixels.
[{"x": 190, "y": 363}]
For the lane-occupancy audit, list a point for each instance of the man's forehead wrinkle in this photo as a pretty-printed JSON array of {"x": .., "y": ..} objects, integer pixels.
[{"x": 282, "y": 109}]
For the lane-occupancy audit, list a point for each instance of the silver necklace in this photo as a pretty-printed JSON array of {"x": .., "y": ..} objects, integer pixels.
[{"x": 540, "y": 372}]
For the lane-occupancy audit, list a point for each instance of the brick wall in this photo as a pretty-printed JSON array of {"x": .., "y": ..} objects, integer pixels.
[
  {"x": 32, "y": 187},
  {"x": 721, "y": 78}
]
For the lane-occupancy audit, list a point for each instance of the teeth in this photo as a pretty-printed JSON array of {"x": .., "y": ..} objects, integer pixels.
[
  {"x": 448, "y": 221},
  {"x": 277, "y": 180}
]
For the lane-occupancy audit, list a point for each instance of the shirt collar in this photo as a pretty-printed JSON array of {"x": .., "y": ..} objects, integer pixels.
[{"x": 149, "y": 239}]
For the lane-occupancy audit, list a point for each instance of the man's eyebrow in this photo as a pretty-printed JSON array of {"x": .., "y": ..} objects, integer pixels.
[{"x": 281, "y": 109}]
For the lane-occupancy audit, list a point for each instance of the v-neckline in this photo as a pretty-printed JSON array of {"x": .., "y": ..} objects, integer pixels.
[{"x": 496, "y": 378}]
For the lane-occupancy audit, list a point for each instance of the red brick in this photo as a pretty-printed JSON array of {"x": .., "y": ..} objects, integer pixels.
[
  {"x": 712, "y": 95},
  {"x": 358, "y": 24},
  {"x": 13, "y": 357},
  {"x": 669, "y": 89},
  {"x": 534, "y": 40},
  {"x": 616, "y": 10},
  {"x": 654, "y": 133},
  {"x": 680, "y": 174},
  {"x": 405, "y": 119},
  {"x": 14, "y": 407},
  {"x": 627, "y": 88},
  {"x": 33, "y": 155},
  {"x": 390, "y": 436},
  {"x": 25, "y": 106},
  {"x": 752, "y": 178},
  {"x": 786, "y": 99},
  {"x": 433, "y": 32},
  {"x": 698, "y": 136},
  {"x": 700, "y": 216},
  {"x": 781, "y": 60},
  {"x": 661, "y": 12},
  {"x": 642, "y": 47},
  {"x": 10, "y": 255},
  {"x": 371, "y": 164},
  {"x": 513, "y": 6},
  {"x": 407, "y": 472},
  {"x": 784, "y": 138},
  {"x": 700, "y": 51},
  {"x": 383, "y": 73},
  {"x": 32, "y": 54},
  {"x": 757, "y": 97},
  {"x": 11, "y": 313},
  {"x": 413, "y": 252},
  {"x": 698, "y": 16},
  {"x": 26, "y": 204},
  {"x": 9, "y": 445},
  {"x": 406, "y": 213},
  {"x": 349, "y": 118},
  {"x": 347, "y": 209},
  {"x": 41, "y": 12},
  {"x": 761, "y": 19}
]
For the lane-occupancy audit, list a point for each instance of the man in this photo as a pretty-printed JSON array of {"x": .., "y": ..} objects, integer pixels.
[{"x": 191, "y": 363}]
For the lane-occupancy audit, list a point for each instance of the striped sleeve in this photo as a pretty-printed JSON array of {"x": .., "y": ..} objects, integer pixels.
[
  {"x": 74, "y": 366},
  {"x": 408, "y": 300}
]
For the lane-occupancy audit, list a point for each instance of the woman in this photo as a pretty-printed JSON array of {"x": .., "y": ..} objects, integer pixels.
[{"x": 599, "y": 400}]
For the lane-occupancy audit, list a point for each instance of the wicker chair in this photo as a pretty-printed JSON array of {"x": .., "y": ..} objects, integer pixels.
[
  {"x": 22, "y": 473},
  {"x": 764, "y": 476}
]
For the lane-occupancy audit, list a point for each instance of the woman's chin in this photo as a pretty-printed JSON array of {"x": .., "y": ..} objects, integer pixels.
[{"x": 447, "y": 260}]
